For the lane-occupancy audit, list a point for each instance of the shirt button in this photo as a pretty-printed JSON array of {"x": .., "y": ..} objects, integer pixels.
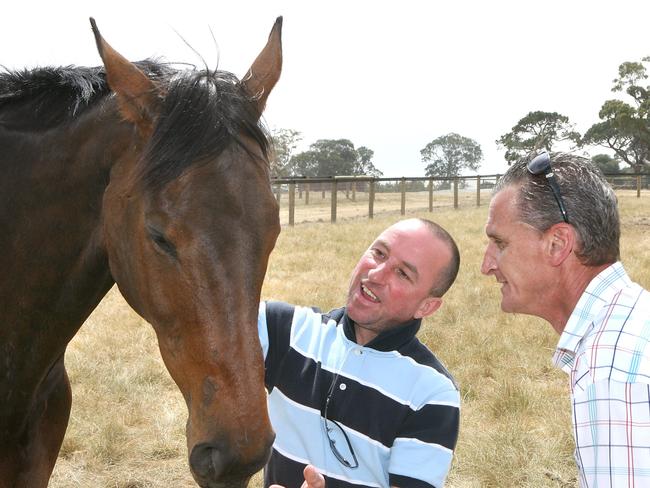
[
  {"x": 358, "y": 352},
  {"x": 342, "y": 386}
]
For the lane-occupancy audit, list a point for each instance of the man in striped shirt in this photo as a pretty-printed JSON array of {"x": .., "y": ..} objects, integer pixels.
[
  {"x": 353, "y": 394},
  {"x": 553, "y": 229}
]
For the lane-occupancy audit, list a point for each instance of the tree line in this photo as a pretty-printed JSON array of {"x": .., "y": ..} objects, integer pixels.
[{"x": 624, "y": 129}]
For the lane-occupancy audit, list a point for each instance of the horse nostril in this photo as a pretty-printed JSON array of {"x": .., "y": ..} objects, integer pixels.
[
  {"x": 207, "y": 462},
  {"x": 214, "y": 465}
]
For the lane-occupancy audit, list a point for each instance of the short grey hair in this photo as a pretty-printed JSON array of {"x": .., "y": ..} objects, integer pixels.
[{"x": 591, "y": 205}]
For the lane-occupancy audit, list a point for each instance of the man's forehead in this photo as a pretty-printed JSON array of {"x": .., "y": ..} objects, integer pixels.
[
  {"x": 392, "y": 236},
  {"x": 409, "y": 234},
  {"x": 503, "y": 205},
  {"x": 404, "y": 227}
]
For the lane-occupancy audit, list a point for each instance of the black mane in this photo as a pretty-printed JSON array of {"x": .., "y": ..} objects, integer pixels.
[
  {"x": 46, "y": 97},
  {"x": 202, "y": 112}
]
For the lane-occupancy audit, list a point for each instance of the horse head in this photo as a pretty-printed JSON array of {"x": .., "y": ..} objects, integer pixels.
[{"x": 189, "y": 221}]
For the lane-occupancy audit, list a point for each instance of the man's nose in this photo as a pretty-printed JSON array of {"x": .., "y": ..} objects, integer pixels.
[
  {"x": 489, "y": 263},
  {"x": 377, "y": 273}
]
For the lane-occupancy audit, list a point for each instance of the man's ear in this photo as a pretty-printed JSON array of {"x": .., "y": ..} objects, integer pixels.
[
  {"x": 561, "y": 240},
  {"x": 427, "y": 307}
]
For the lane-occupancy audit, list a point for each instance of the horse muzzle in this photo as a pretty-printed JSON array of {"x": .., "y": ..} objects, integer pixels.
[{"x": 216, "y": 466}]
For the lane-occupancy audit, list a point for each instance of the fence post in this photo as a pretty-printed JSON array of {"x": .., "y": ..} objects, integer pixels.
[
  {"x": 430, "y": 194},
  {"x": 278, "y": 194},
  {"x": 403, "y": 190},
  {"x": 371, "y": 200},
  {"x": 307, "y": 194},
  {"x": 455, "y": 192},
  {"x": 638, "y": 186},
  {"x": 292, "y": 202},
  {"x": 478, "y": 190},
  {"x": 334, "y": 192},
  {"x": 354, "y": 190}
]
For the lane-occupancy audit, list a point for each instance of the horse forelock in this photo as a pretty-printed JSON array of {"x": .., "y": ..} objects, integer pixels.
[{"x": 202, "y": 113}]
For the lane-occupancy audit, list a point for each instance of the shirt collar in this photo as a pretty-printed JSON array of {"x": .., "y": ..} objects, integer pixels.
[
  {"x": 600, "y": 291},
  {"x": 388, "y": 340}
]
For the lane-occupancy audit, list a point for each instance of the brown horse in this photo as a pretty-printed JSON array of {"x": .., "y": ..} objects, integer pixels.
[{"x": 156, "y": 179}]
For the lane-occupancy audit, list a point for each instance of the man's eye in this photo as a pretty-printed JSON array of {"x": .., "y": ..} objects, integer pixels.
[
  {"x": 497, "y": 242},
  {"x": 402, "y": 274}
]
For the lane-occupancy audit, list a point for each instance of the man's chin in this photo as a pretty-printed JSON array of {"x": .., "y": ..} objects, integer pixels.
[
  {"x": 358, "y": 316},
  {"x": 356, "y": 308},
  {"x": 509, "y": 307},
  {"x": 352, "y": 314}
]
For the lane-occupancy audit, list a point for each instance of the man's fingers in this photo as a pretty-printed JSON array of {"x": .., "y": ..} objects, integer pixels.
[{"x": 313, "y": 478}]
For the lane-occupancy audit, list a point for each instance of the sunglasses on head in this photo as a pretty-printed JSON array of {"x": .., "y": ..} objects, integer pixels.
[{"x": 541, "y": 165}]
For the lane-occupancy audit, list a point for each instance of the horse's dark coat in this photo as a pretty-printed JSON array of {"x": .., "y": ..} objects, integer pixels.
[{"x": 156, "y": 179}]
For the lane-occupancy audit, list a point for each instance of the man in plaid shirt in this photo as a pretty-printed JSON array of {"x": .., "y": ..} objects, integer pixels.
[{"x": 553, "y": 230}]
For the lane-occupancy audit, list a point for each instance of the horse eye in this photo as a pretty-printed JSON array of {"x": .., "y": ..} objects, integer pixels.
[{"x": 161, "y": 242}]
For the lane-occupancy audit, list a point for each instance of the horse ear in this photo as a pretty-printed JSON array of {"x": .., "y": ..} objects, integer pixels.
[
  {"x": 265, "y": 71},
  {"x": 137, "y": 95}
]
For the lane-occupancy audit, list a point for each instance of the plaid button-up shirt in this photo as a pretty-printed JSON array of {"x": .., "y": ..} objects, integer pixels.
[{"x": 605, "y": 349}]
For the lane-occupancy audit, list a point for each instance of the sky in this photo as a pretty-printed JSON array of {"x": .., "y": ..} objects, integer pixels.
[{"x": 388, "y": 75}]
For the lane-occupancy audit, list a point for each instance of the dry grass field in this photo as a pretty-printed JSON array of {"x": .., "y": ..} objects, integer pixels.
[{"x": 127, "y": 422}]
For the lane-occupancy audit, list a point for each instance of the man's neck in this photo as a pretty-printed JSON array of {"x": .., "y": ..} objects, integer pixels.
[
  {"x": 387, "y": 339},
  {"x": 570, "y": 287},
  {"x": 362, "y": 335}
]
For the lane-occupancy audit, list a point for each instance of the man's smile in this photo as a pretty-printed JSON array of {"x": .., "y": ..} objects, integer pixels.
[{"x": 369, "y": 294}]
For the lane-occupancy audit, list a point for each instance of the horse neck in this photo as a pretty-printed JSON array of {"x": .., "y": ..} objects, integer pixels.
[{"x": 55, "y": 269}]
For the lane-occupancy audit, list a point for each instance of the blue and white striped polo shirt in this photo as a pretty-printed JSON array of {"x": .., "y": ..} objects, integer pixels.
[{"x": 396, "y": 402}]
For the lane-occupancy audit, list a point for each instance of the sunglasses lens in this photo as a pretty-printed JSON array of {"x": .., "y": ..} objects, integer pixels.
[
  {"x": 540, "y": 164},
  {"x": 340, "y": 445}
]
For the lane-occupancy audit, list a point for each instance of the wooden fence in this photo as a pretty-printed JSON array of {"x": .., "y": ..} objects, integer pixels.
[{"x": 366, "y": 195}]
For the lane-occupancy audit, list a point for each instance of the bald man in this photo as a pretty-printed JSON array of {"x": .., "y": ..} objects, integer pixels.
[{"x": 354, "y": 397}]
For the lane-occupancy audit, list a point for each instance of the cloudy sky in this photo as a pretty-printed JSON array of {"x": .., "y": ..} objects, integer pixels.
[{"x": 388, "y": 75}]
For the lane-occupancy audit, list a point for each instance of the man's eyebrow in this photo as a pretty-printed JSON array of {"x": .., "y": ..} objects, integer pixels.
[
  {"x": 382, "y": 243},
  {"x": 490, "y": 233}
]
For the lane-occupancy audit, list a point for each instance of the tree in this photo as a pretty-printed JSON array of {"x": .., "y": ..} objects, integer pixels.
[
  {"x": 364, "y": 164},
  {"x": 326, "y": 157},
  {"x": 624, "y": 127},
  {"x": 334, "y": 157},
  {"x": 285, "y": 142},
  {"x": 606, "y": 163},
  {"x": 536, "y": 131},
  {"x": 449, "y": 154}
]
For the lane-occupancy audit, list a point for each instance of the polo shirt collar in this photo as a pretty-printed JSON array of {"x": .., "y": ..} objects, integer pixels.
[{"x": 388, "y": 340}]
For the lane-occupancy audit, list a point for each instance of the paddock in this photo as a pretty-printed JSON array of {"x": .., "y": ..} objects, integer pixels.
[
  {"x": 127, "y": 423},
  {"x": 330, "y": 199}
]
